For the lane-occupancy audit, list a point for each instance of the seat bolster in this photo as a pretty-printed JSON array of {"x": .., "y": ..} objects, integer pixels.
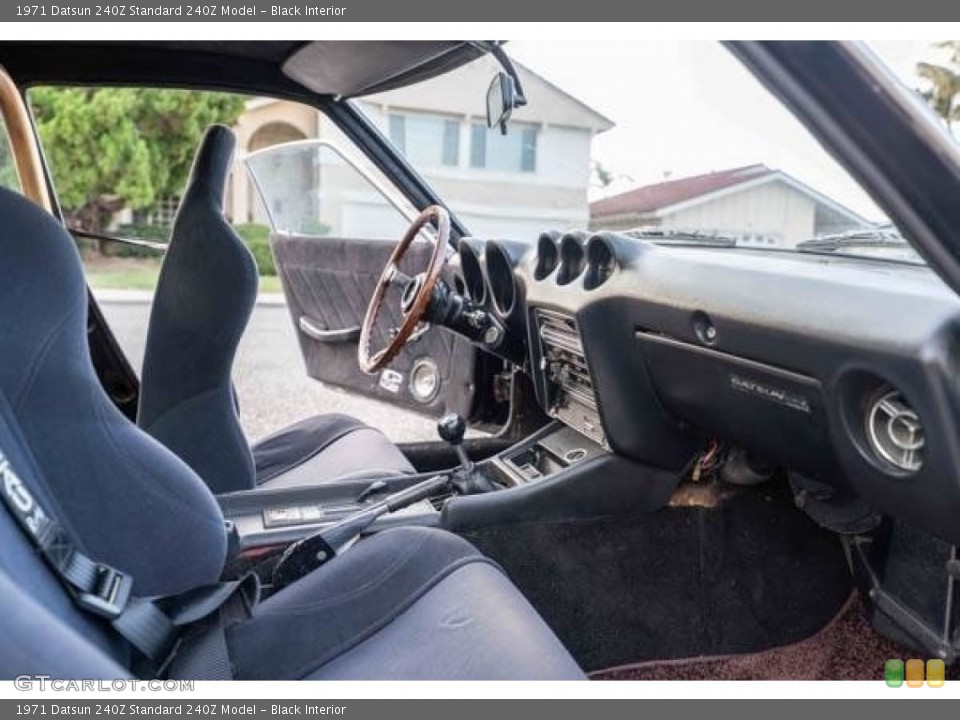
[
  {"x": 472, "y": 625},
  {"x": 327, "y": 447},
  {"x": 348, "y": 605},
  {"x": 298, "y": 443}
]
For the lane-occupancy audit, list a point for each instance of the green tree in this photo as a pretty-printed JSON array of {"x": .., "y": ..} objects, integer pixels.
[
  {"x": 111, "y": 148},
  {"x": 8, "y": 171},
  {"x": 943, "y": 84}
]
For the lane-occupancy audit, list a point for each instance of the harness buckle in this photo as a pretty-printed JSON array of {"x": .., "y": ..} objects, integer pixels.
[{"x": 110, "y": 594}]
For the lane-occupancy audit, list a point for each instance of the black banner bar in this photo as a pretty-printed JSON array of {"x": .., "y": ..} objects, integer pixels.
[
  {"x": 485, "y": 11},
  {"x": 463, "y": 709}
]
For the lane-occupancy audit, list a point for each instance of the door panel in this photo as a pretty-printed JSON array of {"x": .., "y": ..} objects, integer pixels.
[{"x": 328, "y": 283}]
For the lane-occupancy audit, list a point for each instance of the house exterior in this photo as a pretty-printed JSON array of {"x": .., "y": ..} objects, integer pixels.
[
  {"x": 535, "y": 177},
  {"x": 754, "y": 204}
]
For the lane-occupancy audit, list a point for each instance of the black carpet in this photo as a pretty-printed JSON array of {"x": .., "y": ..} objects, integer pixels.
[{"x": 750, "y": 574}]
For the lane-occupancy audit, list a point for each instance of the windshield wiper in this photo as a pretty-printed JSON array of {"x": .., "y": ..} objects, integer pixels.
[
  {"x": 664, "y": 236},
  {"x": 880, "y": 236}
]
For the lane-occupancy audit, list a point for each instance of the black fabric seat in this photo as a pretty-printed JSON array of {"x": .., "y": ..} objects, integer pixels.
[
  {"x": 204, "y": 298},
  {"x": 406, "y": 603},
  {"x": 410, "y": 603}
]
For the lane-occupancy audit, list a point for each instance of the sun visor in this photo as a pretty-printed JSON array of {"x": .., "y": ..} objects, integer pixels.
[{"x": 353, "y": 68}]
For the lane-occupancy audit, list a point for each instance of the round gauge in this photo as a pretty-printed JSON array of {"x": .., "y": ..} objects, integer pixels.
[
  {"x": 548, "y": 257},
  {"x": 424, "y": 380},
  {"x": 601, "y": 262},
  {"x": 472, "y": 273},
  {"x": 572, "y": 259},
  {"x": 503, "y": 286}
]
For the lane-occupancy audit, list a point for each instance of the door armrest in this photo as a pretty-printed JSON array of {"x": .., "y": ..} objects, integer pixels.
[{"x": 315, "y": 331}]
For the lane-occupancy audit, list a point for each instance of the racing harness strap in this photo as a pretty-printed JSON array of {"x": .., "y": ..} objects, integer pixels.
[{"x": 151, "y": 625}]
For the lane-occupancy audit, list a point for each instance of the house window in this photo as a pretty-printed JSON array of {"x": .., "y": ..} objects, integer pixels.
[
  {"x": 514, "y": 152},
  {"x": 426, "y": 140}
]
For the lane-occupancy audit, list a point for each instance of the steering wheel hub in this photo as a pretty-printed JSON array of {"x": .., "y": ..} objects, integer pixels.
[{"x": 411, "y": 292}]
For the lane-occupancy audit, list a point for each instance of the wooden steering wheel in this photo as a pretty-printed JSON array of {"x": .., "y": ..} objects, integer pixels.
[{"x": 417, "y": 293}]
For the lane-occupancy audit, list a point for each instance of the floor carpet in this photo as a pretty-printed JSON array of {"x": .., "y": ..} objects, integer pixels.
[
  {"x": 846, "y": 649},
  {"x": 748, "y": 574}
]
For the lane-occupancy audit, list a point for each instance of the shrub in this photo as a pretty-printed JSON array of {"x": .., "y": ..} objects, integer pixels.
[
  {"x": 257, "y": 238},
  {"x": 153, "y": 233}
]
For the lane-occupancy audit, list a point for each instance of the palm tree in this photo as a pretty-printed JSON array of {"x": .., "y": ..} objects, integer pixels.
[{"x": 943, "y": 92}]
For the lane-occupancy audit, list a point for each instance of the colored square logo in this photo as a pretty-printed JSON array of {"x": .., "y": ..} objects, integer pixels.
[
  {"x": 914, "y": 673},
  {"x": 893, "y": 673},
  {"x": 936, "y": 673}
]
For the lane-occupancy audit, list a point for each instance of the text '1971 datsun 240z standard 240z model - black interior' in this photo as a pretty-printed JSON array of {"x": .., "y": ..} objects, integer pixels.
[{"x": 700, "y": 452}]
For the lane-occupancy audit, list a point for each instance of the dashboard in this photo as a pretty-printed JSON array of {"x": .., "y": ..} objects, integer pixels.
[{"x": 844, "y": 370}]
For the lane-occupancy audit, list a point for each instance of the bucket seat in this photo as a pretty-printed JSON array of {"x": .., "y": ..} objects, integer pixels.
[{"x": 204, "y": 297}]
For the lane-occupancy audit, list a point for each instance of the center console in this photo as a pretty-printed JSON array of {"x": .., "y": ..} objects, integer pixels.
[{"x": 550, "y": 451}]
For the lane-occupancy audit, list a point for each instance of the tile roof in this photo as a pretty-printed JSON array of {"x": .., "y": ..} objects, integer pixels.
[{"x": 649, "y": 198}]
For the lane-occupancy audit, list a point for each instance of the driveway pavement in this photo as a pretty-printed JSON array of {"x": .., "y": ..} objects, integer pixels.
[{"x": 271, "y": 381}]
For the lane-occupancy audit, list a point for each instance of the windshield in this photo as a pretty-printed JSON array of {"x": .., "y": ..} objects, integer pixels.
[{"x": 671, "y": 142}]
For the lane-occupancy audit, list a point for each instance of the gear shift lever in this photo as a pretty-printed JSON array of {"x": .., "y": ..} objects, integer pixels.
[
  {"x": 451, "y": 429},
  {"x": 464, "y": 480}
]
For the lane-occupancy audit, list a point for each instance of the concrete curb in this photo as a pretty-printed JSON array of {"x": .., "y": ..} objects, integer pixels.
[{"x": 145, "y": 297}]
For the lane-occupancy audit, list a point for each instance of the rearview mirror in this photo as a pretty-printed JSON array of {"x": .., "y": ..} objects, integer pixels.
[{"x": 501, "y": 100}]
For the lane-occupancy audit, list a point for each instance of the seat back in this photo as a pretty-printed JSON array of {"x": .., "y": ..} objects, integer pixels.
[
  {"x": 204, "y": 298},
  {"x": 124, "y": 498}
]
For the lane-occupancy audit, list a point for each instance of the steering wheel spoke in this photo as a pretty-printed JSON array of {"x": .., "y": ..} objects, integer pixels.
[{"x": 395, "y": 276}]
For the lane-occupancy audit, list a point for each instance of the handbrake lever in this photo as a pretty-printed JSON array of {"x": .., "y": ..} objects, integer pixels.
[{"x": 314, "y": 550}]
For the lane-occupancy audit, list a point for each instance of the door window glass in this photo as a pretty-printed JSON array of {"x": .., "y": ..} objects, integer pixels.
[{"x": 313, "y": 189}]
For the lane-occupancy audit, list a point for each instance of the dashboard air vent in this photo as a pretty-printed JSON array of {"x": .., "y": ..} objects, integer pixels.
[
  {"x": 571, "y": 394},
  {"x": 894, "y": 431}
]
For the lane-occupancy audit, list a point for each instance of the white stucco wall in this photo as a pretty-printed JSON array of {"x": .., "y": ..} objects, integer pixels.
[{"x": 774, "y": 209}]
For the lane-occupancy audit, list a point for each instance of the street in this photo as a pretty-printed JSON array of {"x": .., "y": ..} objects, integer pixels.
[{"x": 273, "y": 387}]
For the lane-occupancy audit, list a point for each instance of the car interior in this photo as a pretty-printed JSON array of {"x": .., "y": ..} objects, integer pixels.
[{"x": 684, "y": 483}]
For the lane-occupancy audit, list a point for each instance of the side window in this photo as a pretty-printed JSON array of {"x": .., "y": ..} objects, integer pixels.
[
  {"x": 8, "y": 170},
  {"x": 316, "y": 190}
]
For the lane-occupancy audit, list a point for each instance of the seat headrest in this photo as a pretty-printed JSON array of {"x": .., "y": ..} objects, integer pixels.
[{"x": 212, "y": 162}]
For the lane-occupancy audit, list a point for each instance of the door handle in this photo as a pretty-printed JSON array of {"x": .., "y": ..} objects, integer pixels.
[{"x": 314, "y": 330}]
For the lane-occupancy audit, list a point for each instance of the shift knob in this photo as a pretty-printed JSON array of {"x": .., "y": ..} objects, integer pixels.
[{"x": 451, "y": 428}]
